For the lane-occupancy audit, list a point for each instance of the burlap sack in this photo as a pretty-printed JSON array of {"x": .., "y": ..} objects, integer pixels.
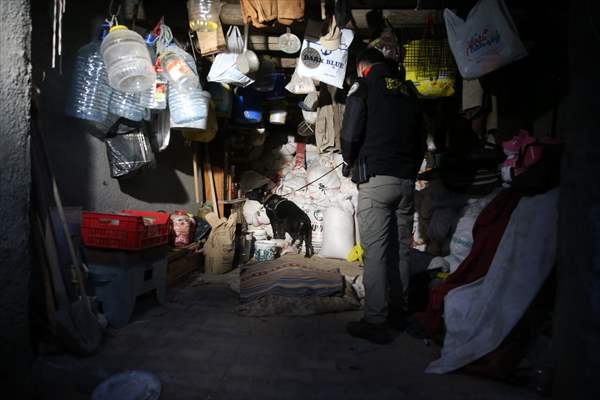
[{"x": 219, "y": 249}]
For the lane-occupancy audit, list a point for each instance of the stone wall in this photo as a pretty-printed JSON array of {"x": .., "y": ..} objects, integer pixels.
[{"x": 15, "y": 181}]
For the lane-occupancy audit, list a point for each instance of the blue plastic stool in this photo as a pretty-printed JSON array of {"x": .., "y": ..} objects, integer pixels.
[{"x": 117, "y": 278}]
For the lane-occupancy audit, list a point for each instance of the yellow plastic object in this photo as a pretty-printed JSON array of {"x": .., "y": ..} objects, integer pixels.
[
  {"x": 442, "y": 275},
  {"x": 204, "y": 135},
  {"x": 117, "y": 28},
  {"x": 356, "y": 254},
  {"x": 431, "y": 77}
]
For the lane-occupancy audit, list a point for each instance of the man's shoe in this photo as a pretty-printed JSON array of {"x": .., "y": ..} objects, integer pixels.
[
  {"x": 374, "y": 333},
  {"x": 397, "y": 320}
]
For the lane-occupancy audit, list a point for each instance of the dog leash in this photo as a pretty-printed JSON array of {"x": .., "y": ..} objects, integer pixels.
[
  {"x": 318, "y": 179},
  {"x": 308, "y": 184}
]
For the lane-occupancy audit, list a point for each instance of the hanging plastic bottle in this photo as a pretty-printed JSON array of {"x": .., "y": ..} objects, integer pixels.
[
  {"x": 155, "y": 98},
  {"x": 89, "y": 94},
  {"x": 127, "y": 105},
  {"x": 127, "y": 60},
  {"x": 188, "y": 107},
  {"x": 203, "y": 15},
  {"x": 178, "y": 65}
]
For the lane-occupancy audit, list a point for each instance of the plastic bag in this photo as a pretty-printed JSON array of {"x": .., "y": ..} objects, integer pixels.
[
  {"x": 485, "y": 41},
  {"x": 128, "y": 149},
  {"x": 324, "y": 65},
  {"x": 300, "y": 84},
  {"x": 235, "y": 41},
  {"x": 224, "y": 70}
]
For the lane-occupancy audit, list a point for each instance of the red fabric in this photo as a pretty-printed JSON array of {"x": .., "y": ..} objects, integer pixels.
[
  {"x": 487, "y": 232},
  {"x": 300, "y": 155}
]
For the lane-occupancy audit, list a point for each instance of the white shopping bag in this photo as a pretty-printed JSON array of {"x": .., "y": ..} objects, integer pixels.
[
  {"x": 235, "y": 41},
  {"x": 325, "y": 65},
  {"x": 485, "y": 41},
  {"x": 224, "y": 70}
]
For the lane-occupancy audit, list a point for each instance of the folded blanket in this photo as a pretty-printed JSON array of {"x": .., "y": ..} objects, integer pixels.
[{"x": 288, "y": 280}]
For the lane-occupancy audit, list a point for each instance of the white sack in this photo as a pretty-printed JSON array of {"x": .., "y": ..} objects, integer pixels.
[
  {"x": 255, "y": 214},
  {"x": 326, "y": 185},
  {"x": 338, "y": 233}
]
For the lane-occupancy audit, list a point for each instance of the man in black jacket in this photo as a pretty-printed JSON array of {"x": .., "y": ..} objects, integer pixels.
[{"x": 382, "y": 146}]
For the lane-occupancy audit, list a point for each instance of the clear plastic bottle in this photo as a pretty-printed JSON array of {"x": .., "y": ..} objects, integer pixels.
[
  {"x": 188, "y": 107},
  {"x": 89, "y": 93},
  {"x": 127, "y": 60},
  {"x": 203, "y": 15},
  {"x": 180, "y": 69},
  {"x": 155, "y": 98},
  {"x": 127, "y": 105}
]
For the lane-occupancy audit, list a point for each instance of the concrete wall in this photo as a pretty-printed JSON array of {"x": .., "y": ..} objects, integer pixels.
[
  {"x": 577, "y": 324},
  {"x": 79, "y": 160},
  {"x": 15, "y": 100}
]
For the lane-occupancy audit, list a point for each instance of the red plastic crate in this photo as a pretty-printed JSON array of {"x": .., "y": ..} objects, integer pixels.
[{"x": 124, "y": 231}]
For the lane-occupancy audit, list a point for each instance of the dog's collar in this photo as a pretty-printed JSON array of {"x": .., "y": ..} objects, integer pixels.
[
  {"x": 274, "y": 206},
  {"x": 267, "y": 198}
]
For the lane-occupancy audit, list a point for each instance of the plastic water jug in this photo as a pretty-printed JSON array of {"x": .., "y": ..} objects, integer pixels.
[
  {"x": 89, "y": 94},
  {"x": 180, "y": 68},
  {"x": 127, "y": 105},
  {"x": 189, "y": 106},
  {"x": 127, "y": 60},
  {"x": 203, "y": 15}
]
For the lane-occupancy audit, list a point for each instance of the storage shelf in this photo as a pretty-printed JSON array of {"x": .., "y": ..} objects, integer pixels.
[{"x": 234, "y": 201}]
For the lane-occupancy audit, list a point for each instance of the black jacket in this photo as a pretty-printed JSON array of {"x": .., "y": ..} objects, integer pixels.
[{"x": 382, "y": 127}]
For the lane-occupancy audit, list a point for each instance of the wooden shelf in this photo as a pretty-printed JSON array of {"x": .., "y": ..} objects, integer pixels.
[{"x": 234, "y": 201}]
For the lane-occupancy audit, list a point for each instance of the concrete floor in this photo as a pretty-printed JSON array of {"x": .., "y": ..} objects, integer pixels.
[{"x": 201, "y": 349}]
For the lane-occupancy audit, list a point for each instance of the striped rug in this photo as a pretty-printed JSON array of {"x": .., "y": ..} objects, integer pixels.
[{"x": 289, "y": 279}]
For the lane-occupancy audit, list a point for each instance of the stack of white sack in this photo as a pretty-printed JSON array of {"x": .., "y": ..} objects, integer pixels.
[
  {"x": 326, "y": 184},
  {"x": 315, "y": 213},
  {"x": 289, "y": 149},
  {"x": 293, "y": 183},
  {"x": 462, "y": 238},
  {"x": 312, "y": 155}
]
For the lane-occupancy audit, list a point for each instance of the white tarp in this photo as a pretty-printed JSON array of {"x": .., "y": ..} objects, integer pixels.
[{"x": 479, "y": 315}]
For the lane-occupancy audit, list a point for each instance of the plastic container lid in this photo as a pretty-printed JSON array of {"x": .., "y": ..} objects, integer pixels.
[{"x": 117, "y": 27}]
